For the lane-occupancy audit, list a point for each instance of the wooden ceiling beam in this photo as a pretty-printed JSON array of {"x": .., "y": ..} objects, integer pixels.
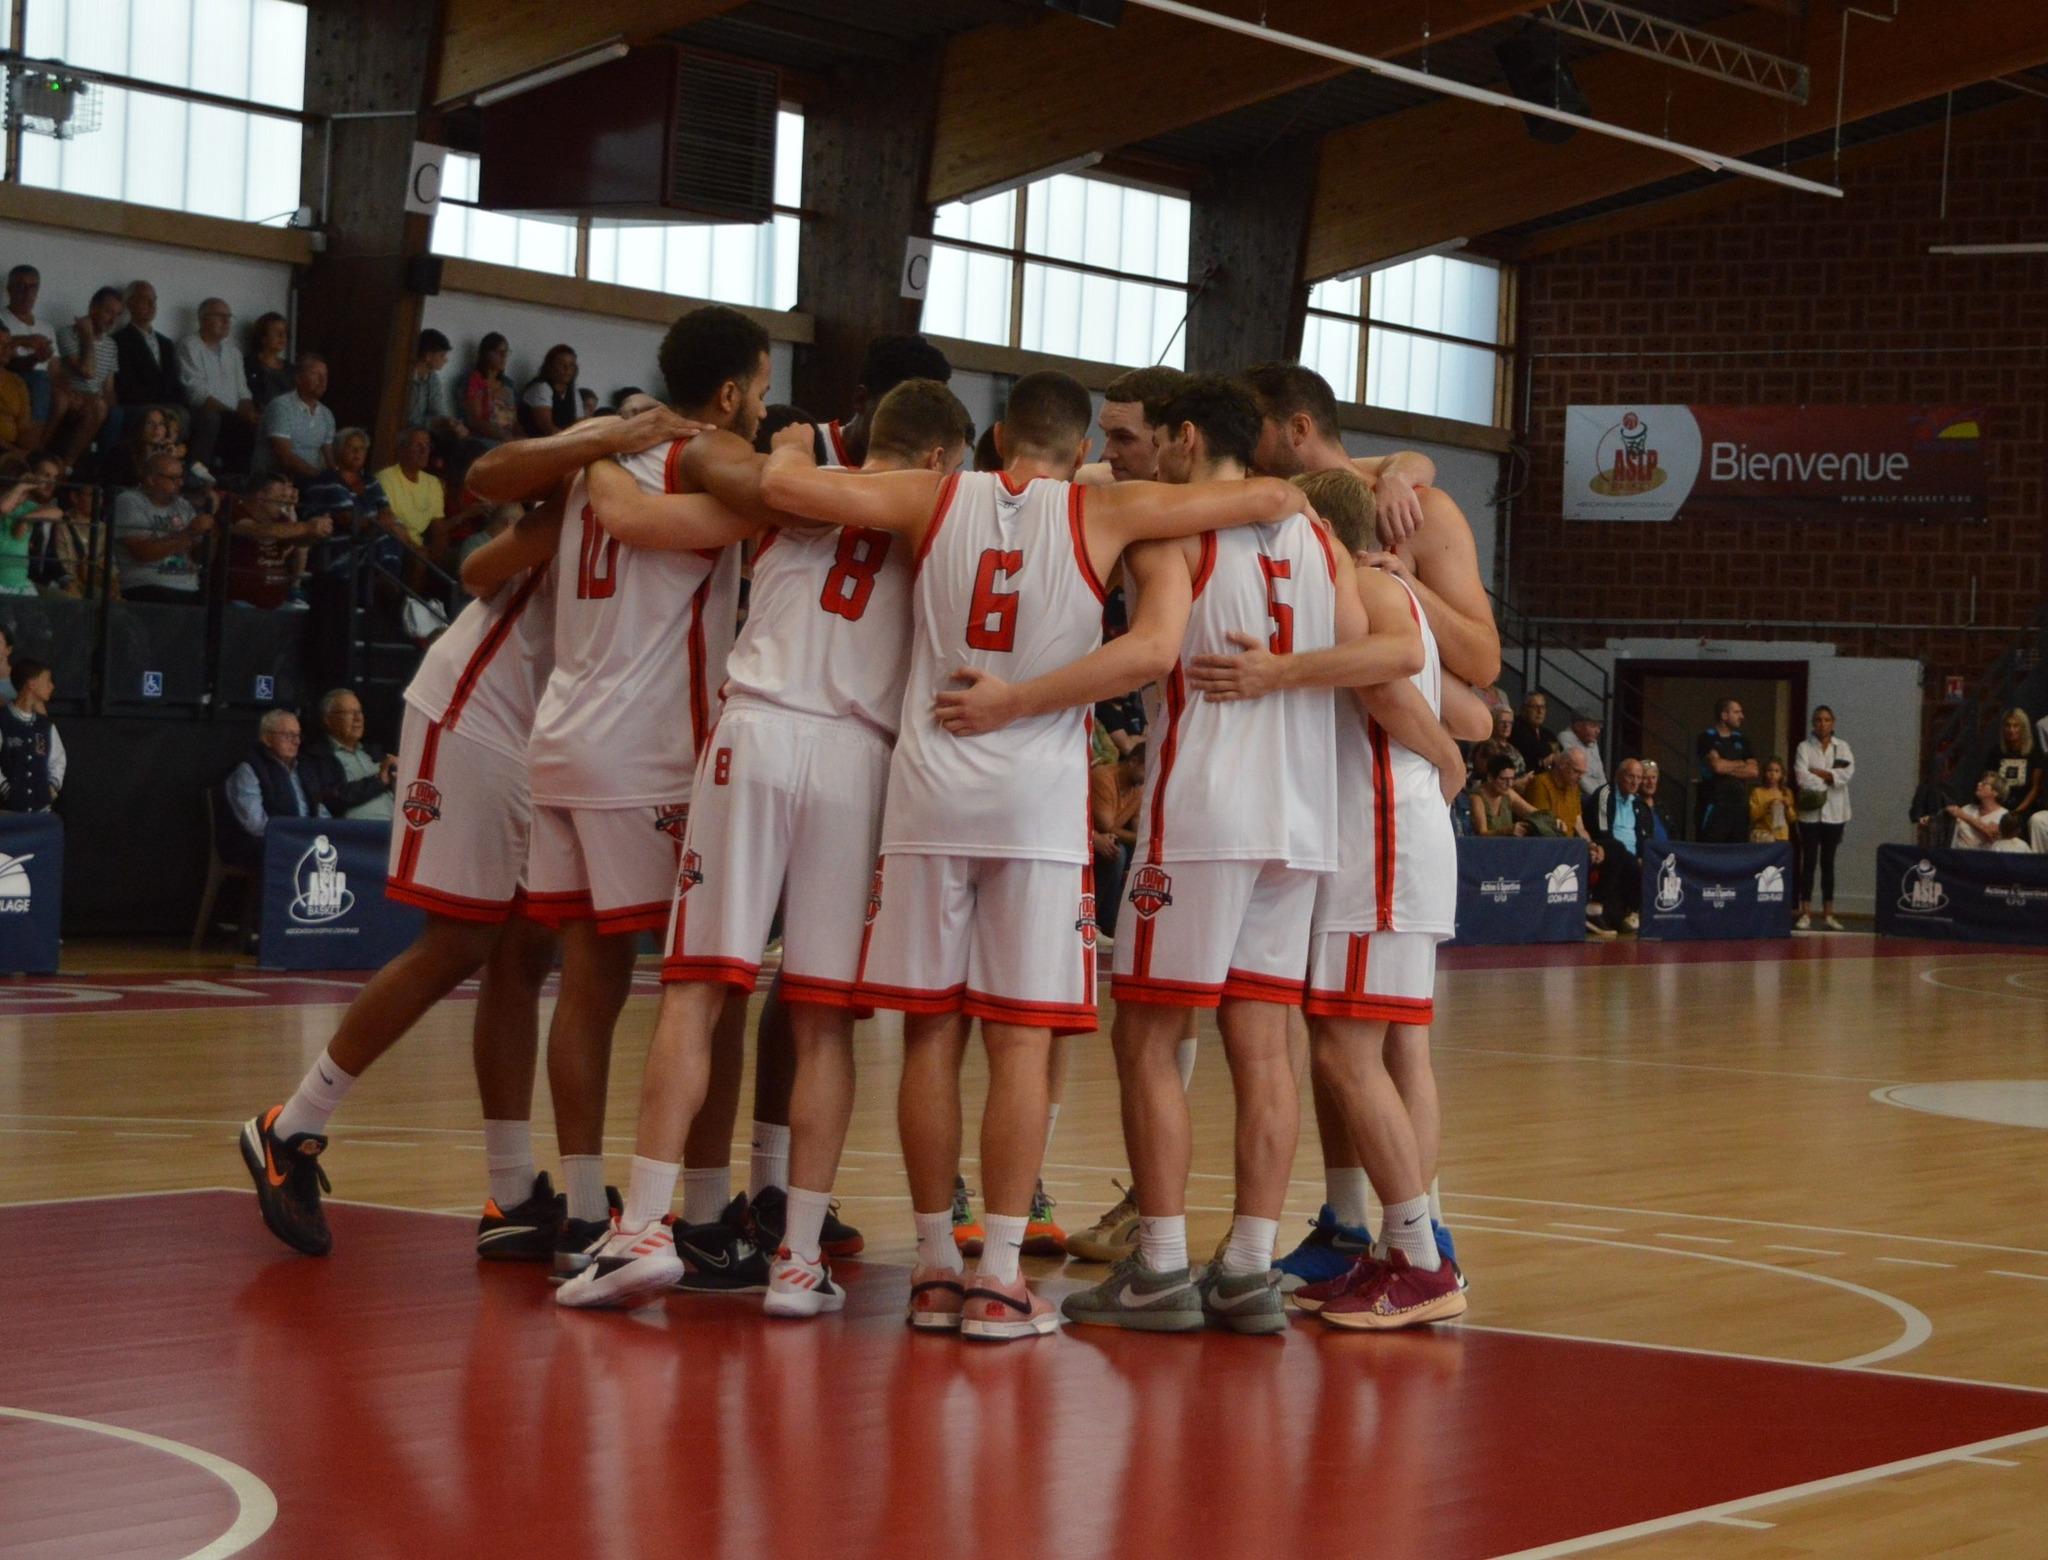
[
  {"x": 1461, "y": 170},
  {"x": 1014, "y": 100},
  {"x": 484, "y": 42}
]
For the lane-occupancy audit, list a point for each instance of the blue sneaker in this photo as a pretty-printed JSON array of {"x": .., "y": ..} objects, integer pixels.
[
  {"x": 1448, "y": 1250},
  {"x": 1326, "y": 1252}
]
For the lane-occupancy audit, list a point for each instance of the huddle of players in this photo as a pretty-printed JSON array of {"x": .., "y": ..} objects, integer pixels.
[{"x": 913, "y": 686}]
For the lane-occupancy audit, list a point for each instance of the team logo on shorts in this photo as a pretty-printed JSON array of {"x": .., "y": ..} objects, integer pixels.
[
  {"x": 1151, "y": 891},
  {"x": 672, "y": 821},
  {"x": 875, "y": 897},
  {"x": 689, "y": 871},
  {"x": 1086, "y": 925},
  {"x": 422, "y": 804}
]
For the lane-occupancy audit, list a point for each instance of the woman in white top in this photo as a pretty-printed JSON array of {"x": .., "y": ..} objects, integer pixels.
[
  {"x": 1821, "y": 771},
  {"x": 1977, "y": 827}
]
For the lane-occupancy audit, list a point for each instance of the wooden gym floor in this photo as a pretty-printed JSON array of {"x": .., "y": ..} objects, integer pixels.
[{"x": 1754, "y": 1234}]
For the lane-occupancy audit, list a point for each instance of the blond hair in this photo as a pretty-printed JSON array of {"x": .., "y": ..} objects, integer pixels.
[{"x": 1346, "y": 502}]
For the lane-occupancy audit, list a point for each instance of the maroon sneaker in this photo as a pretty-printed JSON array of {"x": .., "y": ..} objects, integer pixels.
[
  {"x": 1398, "y": 1295},
  {"x": 1363, "y": 1271}
]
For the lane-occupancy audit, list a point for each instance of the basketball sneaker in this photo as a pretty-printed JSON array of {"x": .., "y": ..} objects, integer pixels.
[
  {"x": 1140, "y": 1298},
  {"x": 1447, "y": 1249},
  {"x": 1242, "y": 1302},
  {"x": 1398, "y": 1295},
  {"x": 627, "y": 1267},
  {"x": 800, "y": 1287},
  {"x": 1042, "y": 1237},
  {"x": 998, "y": 1313},
  {"x": 936, "y": 1295},
  {"x": 525, "y": 1233},
  {"x": 771, "y": 1214},
  {"x": 575, "y": 1237},
  {"x": 1313, "y": 1297},
  {"x": 289, "y": 1182},
  {"x": 838, "y": 1239},
  {"x": 967, "y": 1234},
  {"x": 723, "y": 1257},
  {"x": 1112, "y": 1237},
  {"x": 1326, "y": 1252}
]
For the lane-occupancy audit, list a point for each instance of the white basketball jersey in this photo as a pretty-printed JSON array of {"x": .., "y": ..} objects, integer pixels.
[
  {"x": 641, "y": 641},
  {"x": 1253, "y": 779},
  {"x": 1394, "y": 831},
  {"x": 832, "y": 448},
  {"x": 483, "y": 676},
  {"x": 1003, "y": 583},
  {"x": 828, "y": 626}
]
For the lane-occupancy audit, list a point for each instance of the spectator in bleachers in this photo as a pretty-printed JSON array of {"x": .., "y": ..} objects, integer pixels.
[
  {"x": 30, "y": 500},
  {"x": 367, "y": 509},
  {"x": 1114, "y": 791},
  {"x": 2019, "y": 764},
  {"x": 298, "y": 429},
  {"x": 6, "y": 665},
  {"x": 501, "y": 519},
  {"x": 268, "y": 544},
  {"x": 346, "y": 774},
  {"x": 31, "y": 345},
  {"x": 1583, "y": 735},
  {"x": 1500, "y": 744},
  {"x": 150, "y": 433},
  {"x": 2012, "y": 836},
  {"x": 1621, "y": 825},
  {"x": 214, "y": 383},
  {"x": 1726, "y": 770},
  {"x": 82, "y": 377},
  {"x": 1498, "y": 811},
  {"x": 20, "y": 434},
  {"x": 549, "y": 402},
  {"x": 157, "y": 533},
  {"x": 1531, "y": 740},
  {"x": 265, "y": 785},
  {"x": 146, "y": 360},
  {"x": 1772, "y": 806},
  {"x": 268, "y": 372},
  {"x": 428, "y": 402},
  {"x": 1977, "y": 824},
  {"x": 32, "y": 762},
  {"x": 73, "y": 562},
  {"x": 490, "y": 410},
  {"x": 415, "y": 494}
]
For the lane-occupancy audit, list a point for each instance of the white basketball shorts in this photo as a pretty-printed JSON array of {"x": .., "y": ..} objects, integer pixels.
[
  {"x": 615, "y": 866},
  {"x": 459, "y": 833},
  {"x": 1389, "y": 976},
  {"x": 1190, "y": 933}
]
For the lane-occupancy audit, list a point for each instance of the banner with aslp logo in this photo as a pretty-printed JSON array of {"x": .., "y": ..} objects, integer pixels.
[
  {"x": 1962, "y": 895},
  {"x": 1657, "y": 462},
  {"x": 323, "y": 897},
  {"x": 1521, "y": 890},
  {"x": 1716, "y": 891},
  {"x": 31, "y": 892}
]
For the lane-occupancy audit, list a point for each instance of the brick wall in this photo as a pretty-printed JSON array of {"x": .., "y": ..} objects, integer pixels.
[{"x": 1802, "y": 299}]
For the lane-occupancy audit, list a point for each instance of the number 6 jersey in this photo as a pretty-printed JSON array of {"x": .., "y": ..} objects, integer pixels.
[{"x": 1003, "y": 583}]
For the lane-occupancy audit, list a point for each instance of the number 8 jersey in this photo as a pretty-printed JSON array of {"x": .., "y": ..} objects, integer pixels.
[{"x": 1003, "y": 583}]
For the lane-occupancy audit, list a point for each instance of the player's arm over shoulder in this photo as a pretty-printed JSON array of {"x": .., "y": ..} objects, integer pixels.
[
  {"x": 1444, "y": 561},
  {"x": 530, "y": 543},
  {"x": 901, "y": 501},
  {"x": 666, "y": 522},
  {"x": 1126, "y": 512}
]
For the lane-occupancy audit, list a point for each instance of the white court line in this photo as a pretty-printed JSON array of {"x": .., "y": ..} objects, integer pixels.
[
  {"x": 1636, "y": 1061},
  {"x": 1981, "y": 991},
  {"x": 100, "y": 1197},
  {"x": 2039, "y": 1278},
  {"x": 1595, "y": 1229},
  {"x": 1914, "y": 1262},
  {"x": 1992, "y": 1462},
  {"x": 175, "y": 1137},
  {"x": 1704, "y": 1240},
  {"x": 1806, "y": 1251},
  {"x": 1740, "y": 1522},
  {"x": 378, "y": 1143},
  {"x": 39, "y": 1131},
  {"x": 1731, "y": 1508},
  {"x": 255, "y": 1505}
]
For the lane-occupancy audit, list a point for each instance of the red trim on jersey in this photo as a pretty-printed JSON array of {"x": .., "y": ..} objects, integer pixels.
[
  {"x": 1089, "y": 945},
  {"x": 1207, "y": 566},
  {"x": 1252, "y": 986},
  {"x": 672, "y": 467},
  {"x": 922, "y": 1000},
  {"x": 700, "y": 652},
  {"x": 1329, "y": 553},
  {"x": 557, "y": 910},
  {"x": 821, "y": 992},
  {"x": 1154, "y": 992},
  {"x": 1012, "y": 486},
  {"x": 1141, "y": 951},
  {"x": 457, "y": 907},
  {"x": 631, "y": 918},
  {"x": 1066, "y": 1018},
  {"x": 676, "y": 970},
  {"x": 409, "y": 850},
  {"x": 1370, "y": 1009},
  {"x": 839, "y": 446},
  {"x": 765, "y": 541},
  {"x": 940, "y": 508},
  {"x": 1169, "y": 748},
  {"x": 1385, "y": 858},
  {"x": 1076, "y": 496},
  {"x": 492, "y": 642}
]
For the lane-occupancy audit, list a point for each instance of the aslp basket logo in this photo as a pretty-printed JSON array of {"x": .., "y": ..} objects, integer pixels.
[
  {"x": 320, "y": 891},
  {"x": 672, "y": 821},
  {"x": 422, "y": 804},
  {"x": 1920, "y": 890},
  {"x": 1770, "y": 886},
  {"x": 1151, "y": 891},
  {"x": 1670, "y": 891},
  {"x": 689, "y": 872},
  {"x": 1561, "y": 884},
  {"x": 14, "y": 884},
  {"x": 1086, "y": 924},
  {"x": 1629, "y": 463}
]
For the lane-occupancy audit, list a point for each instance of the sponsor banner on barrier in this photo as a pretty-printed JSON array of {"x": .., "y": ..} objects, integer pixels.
[
  {"x": 1654, "y": 462},
  {"x": 31, "y": 892},
  {"x": 1964, "y": 895},
  {"x": 1716, "y": 891},
  {"x": 323, "y": 896},
  {"x": 1521, "y": 890}
]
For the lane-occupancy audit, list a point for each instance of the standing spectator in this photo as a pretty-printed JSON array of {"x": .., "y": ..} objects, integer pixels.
[
  {"x": 415, "y": 493},
  {"x": 1583, "y": 736},
  {"x": 263, "y": 786},
  {"x": 31, "y": 752},
  {"x": 20, "y": 434},
  {"x": 30, "y": 345},
  {"x": 1530, "y": 739},
  {"x": 1497, "y": 810},
  {"x": 215, "y": 385},
  {"x": 146, "y": 360},
  {"x": 1822, "y": 768},
  {"x": 298, "y": 429},
  {"x": 346, "y": 775},
  {"x": 1977, "y": 825},
  {"x": 269, "y": 374},
  {"x": 1621, "y": 825},
  {"x": 428, "y": 402},
  {"x": 26, "y": 502},
  {"x": 1114, "y": 791},
  {"x": 2018, "y": 764},
  {"x": 1771, "y": 806},
  {"x": 550, "y": 402},
  {"x": 1726, "y": 769},
  {"x": 490, "y": 411},
  {"x": 267, "y": 545},
  {"x": 157, "y": 532}
]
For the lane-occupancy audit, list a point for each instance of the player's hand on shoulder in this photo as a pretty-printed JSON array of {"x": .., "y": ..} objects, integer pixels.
[
  {"x": 1252, "y": 672},
  {"x": 656, "y": 425},
  {"x": 1389, "y": 562},
  {"x": 983, "y": 705},
  {"x": 796, "y": 436},
  {"x": 1399, "y": 506}
]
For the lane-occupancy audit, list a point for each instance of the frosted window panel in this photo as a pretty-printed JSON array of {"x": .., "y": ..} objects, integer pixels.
[
  {"x": 1338, "y": 297},
  {"x": 789, "y": 159},
  {"x": 968, "y": 296},
  {"x": 546, "y": 246},
  {"x": 216, "y": 177},
  {"x": 1169, "y": 333},
  {"x": 1138, "y": 241},
  {"x": 788, "y": 246},
  {"x": 1174, "y": 216},
  {"x": 735, "y": 262},
  {"x": 459, "y": 177},
  {"x": 155, "y": 172},
  {"x": 277, "y": 54},
  {"x": 1330, "y": 347},
  {"x": 992, "y": 221},
  {"x": 1456, "y": 297},
  {"x": 275, "y": 147},
  {"x": 686, "y": 268},
  {"x": 160, "y": 42},
  {"x": 220, "y": 48},
  {"x": 1102, "y": 228},
  {"x": 1415, "y": 374}
]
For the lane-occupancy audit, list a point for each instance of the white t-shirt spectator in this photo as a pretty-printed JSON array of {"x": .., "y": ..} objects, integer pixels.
[
  {"x": 135, "y": 514},
  {"x": 309, "y": 429},
  {"x": 106, "y": 357},
  {"x": 212, "y": 373},
  {"x": 1968, "y": 838},
  {"x": 18, "y": 328},
  {"x": 1596, "y": 771}
]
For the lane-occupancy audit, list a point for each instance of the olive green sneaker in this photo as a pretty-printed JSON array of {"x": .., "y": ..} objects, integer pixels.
[
  {"x": 1112, "y": 1237},
  {"x": 1242, "y": 1302},
  {"x": 1134, "y": 1296}
]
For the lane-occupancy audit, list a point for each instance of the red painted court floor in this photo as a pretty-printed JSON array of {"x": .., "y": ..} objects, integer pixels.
[{"x": 399, "y": 1399}]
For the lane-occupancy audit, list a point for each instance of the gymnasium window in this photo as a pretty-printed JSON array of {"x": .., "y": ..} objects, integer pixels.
[
  {"x": 1425, "y": 336},
  {"x": 1077, "y": 266},
  {"x": 162, "y": 151}
]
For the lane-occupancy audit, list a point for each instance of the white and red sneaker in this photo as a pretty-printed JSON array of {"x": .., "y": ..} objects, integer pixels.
[
  {"x": 936, "y": 1295},
  {"x": 628, "y": 1266},
  {"x": 799, "y": 1286},
  {"x": 997, "y": 1312},
  {"x": 1398, "y": 1295}
]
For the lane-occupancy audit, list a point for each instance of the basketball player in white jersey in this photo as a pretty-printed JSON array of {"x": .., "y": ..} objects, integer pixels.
[
  {"x": 1427, "y": 541},
  {"x": 983, "y": 904},
  {"x": 787, "y": 809},
  {"x": 888, "y": 362}
]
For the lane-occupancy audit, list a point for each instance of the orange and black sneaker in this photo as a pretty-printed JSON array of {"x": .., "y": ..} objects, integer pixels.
[
  {"x": 1042, "y": 1237},
  {"x": 525, "y": 1233},
  {"x": 289, "y": 1182}
]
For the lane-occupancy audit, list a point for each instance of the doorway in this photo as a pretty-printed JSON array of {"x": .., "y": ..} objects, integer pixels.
[{"x": 1661, "y": 707}]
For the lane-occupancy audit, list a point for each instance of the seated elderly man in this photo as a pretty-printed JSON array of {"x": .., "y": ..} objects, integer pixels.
[
  {"x": 347, "y": 775},
  {"x": 1621, "y": 826},
  {"x": 265, "y": 785}
]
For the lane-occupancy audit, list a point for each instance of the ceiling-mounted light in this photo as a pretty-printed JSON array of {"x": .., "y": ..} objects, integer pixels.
[{"x": 562, "y": 69}]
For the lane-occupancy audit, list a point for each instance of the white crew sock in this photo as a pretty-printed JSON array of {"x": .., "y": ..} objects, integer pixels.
[
  {"x": 1407, "y": 1231},
  {"x": 583, "y": 1180},
  {"x": 1251, "y": 1244},
  {"x": 935, "y": 1246},
  {"x": 1163, "y": 1242},
  {"x": 806, "y": 1222},
  {"x": 508, "y": 1157},
  {"x": 1052, "y": 1119},
  {"x": 1436, "y": 1200},
  {"x": 1349, "y": 1195},
  {"x": 319, "y": 1096},
  {"x": 705, "y": 1194},
  {"x": 768, "y": 1164},
  {"x": 1184, "y": 1059},
  {"x": 650, "y": 1193},
  {"x": 1002, "y": 1244}
]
